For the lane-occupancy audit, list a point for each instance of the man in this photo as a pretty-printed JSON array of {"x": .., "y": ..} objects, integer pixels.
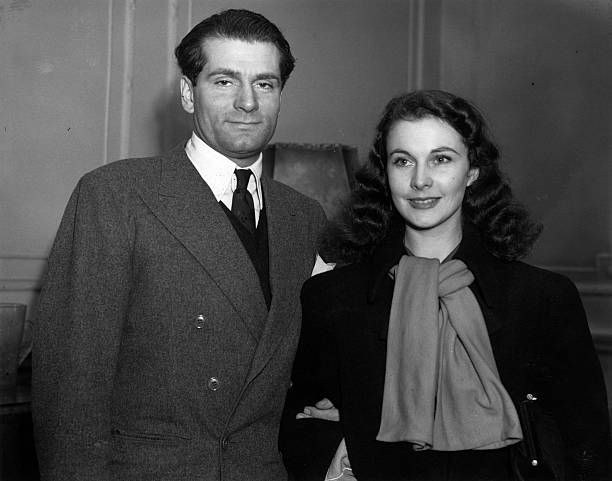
[{"x": 170, "y": 315}]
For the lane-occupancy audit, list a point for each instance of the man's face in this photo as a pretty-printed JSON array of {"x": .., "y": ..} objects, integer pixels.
[{"x": 236, "y": 101}]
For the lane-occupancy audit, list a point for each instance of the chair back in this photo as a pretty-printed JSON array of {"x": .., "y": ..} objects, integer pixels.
[{"x": 324, "y": 172}]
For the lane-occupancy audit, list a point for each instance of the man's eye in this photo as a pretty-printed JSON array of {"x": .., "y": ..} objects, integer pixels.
[
  {"x": 265, "y": 85},
  {"x": 223, "y": 82}
]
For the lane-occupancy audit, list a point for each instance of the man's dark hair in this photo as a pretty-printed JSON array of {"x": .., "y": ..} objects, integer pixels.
[{"x": 236, "y": 25}]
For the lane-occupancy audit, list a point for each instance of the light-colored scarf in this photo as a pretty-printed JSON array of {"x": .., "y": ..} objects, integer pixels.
[{"x": 442, "y": 389}]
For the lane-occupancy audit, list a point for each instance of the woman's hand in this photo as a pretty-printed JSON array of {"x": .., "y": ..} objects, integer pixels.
[{"x": 323, "y": 409}]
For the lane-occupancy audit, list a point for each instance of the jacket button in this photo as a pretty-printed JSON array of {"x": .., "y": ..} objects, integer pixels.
[
  {"x": 213, "y": 384},
  {"x": 199, "y": 321},
  {"x": 224, "y": 443}
]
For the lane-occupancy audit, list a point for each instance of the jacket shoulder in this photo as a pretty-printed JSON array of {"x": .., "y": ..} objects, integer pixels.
[
  {"x": 542, "y": 279},
  {"x": 338, "y": 285},
  {"x": 301, "y": 201},
  {"x": 124, "y": 170}
]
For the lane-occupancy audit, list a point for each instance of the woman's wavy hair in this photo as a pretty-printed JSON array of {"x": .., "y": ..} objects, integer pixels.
[{"x": 504, "y": 224}]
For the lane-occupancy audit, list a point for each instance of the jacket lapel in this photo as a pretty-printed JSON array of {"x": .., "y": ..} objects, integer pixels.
[
  {"x": 186, "y": 206},
  {"x": 486, "y": 286},
  {"x": 283, "y": 224}
]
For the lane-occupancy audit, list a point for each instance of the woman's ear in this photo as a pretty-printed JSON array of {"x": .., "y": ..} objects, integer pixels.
[{"x": 472, "y": 175}]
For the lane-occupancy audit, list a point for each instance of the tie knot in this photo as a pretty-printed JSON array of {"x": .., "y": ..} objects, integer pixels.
[{"x": 242, "y": 178}]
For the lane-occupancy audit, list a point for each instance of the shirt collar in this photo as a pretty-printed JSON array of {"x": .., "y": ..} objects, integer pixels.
[{"x": 218, "y": 171}]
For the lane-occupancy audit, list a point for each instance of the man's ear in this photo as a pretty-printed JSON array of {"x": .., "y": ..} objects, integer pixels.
[
  {"x": 472, "y": 175},
  {"x": 187, "y": 95}
]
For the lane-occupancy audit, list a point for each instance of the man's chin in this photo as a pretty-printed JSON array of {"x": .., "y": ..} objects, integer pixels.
[
  {"x": 244, "y": 156},
  {"x": 244, "y": 150}
]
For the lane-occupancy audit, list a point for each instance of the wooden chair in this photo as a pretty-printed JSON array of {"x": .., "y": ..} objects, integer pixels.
[{"x": 324, "y": 172}]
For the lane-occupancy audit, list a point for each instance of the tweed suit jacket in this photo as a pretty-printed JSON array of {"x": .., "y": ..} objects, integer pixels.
[
  {"x": 540, "y": 341},
  {"x": 155, "y": 356}
]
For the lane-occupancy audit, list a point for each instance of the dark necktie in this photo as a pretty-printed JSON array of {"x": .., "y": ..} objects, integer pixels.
[{"x": 242, "y": 200}]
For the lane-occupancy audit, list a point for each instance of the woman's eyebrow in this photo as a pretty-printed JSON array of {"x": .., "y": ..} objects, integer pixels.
[
  {"x": 443, "y": 149},
  {"x": 400, "y": 151}
]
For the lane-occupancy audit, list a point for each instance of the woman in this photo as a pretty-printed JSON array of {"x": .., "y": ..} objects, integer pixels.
[{"x": 446, "y": 357}]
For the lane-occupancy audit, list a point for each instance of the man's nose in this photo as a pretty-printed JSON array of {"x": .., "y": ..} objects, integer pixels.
[
  {"x": 421, "y": 178},
  {"x": 246, "y": 99}
]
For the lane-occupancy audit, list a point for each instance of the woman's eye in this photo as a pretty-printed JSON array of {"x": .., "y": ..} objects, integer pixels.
[
  {"x": 442, "y": 159},
  {"x": 400, "y": 161}
]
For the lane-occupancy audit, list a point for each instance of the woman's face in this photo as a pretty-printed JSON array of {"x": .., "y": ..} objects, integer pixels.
[{"x": 428, "y": 171}]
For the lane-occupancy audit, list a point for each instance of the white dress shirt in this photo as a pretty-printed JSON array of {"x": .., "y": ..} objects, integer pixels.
[{"x": 218, "y": 172}]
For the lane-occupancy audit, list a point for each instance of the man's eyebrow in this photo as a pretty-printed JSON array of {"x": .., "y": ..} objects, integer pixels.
[
  {"x": 234, "y": 74},
  {"x": 224, "y": 71},
  {"x": 267, "y": 76}
]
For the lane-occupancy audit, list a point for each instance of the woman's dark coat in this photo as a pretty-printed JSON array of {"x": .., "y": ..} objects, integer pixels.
[{"x": 541, "y": 344}]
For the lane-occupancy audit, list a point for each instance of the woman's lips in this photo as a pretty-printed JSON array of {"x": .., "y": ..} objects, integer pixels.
[{"x": 424, "y": 203}]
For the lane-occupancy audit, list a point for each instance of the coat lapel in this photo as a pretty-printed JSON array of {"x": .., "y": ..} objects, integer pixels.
[
  {"x": 283, "y": 224},
  {"x": 486, "y": 286},
  {"x": 186, "y": 206}
]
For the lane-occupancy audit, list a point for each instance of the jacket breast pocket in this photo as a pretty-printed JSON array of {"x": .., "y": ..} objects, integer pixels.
[{"x": 122, "y": 436}]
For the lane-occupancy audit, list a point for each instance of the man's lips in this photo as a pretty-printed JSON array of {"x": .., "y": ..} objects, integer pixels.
[{"x": 241, "y": 122}]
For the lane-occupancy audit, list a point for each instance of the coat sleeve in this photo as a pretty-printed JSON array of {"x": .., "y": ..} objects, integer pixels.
[
  {"x": 320, "y": 222},
  {"x": 308, "y": 445},
  {"x": 579, "y": 402},
  {"x": 77, "y": 333}
]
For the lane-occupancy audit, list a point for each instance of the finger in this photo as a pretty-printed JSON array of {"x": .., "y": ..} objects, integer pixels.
[
  {"x": 324, "y": 404},
  {"x": 330, "y": 414},
  {"x": 324, "y": 415}
]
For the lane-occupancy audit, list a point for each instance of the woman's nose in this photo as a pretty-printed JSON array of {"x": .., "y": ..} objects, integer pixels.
[
  {"x": 421, "y": 178},
  {"x": 246, "y": 99}
]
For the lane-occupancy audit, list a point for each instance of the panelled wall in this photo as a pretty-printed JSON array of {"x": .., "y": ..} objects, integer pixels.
[
  {"x": 541, "y": 73},
  {"x": 86, "y": 82}
]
